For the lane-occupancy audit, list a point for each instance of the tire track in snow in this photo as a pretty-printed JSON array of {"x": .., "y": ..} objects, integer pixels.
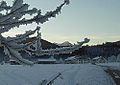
[
  {"x": 112, "y": 73},
  {"x": 70, "y": 75},
  {"x": 115, "y": 74}
]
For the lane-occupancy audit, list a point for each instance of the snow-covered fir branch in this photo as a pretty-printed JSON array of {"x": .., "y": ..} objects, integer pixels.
[
  {"x": 21, "y": 37},
  {"x": 12, "y": 19},
  {"x": 3, "y": 6},
  {"x": 64, "y": 50}
]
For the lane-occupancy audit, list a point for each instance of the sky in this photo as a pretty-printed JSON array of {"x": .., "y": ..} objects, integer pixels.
[{"x": 98, "y": 20}]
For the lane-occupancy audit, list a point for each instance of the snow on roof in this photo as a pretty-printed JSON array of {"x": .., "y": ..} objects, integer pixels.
[
  {"x": 47, "y": 60},
  {"x": 70, "y": 58},
  {"x": 12, "y": 60},
  {"x": 96, "y": 58}
]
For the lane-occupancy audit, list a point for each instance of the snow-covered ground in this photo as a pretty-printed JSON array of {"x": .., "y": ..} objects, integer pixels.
[
  {"x": 113, "y": 65},
  {"x": 72, "y": 74}
]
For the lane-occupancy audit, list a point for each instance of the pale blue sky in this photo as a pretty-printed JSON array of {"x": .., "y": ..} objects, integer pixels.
[{"x": 98, "y": 20}]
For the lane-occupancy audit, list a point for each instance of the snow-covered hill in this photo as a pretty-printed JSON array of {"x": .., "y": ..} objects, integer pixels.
[
  {"x": 64, "y": 44},
  {"x": 82, "y": 74}
]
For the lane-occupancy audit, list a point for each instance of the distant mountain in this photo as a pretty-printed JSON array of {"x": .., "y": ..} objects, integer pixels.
[
  {"x": 45, "y": 44},
  {"x": 64, "y": 44}
]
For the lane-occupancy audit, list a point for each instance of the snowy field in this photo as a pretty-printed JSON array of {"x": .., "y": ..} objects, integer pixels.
[
  {"x": 113, "y": 65},
  {"x": 71, "y": 74}
]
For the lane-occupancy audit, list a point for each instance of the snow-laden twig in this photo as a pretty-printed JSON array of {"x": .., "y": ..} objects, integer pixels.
[
  {"x": 50, "y": 80},
  {"x": 64, "y": 50},
  {"x": 14, "y": 17},
  {"x": 22, "y": 9}
]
